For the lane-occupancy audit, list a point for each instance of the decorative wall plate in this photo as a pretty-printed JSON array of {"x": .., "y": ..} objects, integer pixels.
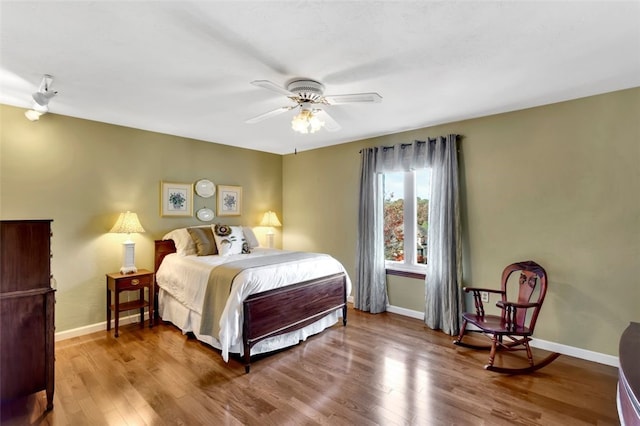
[
  {"x": 205, "y": 214},
  {"x": 205, "y": 188}
]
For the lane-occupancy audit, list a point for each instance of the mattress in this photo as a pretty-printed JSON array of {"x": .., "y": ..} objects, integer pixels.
[{"x": 182, "y": 282}]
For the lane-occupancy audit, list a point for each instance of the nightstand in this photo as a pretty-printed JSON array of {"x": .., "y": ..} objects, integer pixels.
[{"x": 138, "y": 281}]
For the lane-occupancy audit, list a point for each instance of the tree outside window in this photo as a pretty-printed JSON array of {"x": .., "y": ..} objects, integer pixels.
[{"x": 398, "y": 187}]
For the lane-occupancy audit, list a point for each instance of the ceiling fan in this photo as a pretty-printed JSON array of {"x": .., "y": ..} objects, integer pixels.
[{"x": 308, "y": 95}]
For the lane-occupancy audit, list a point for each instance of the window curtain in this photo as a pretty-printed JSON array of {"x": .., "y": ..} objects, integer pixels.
[
  {"x": 443, "y": 294},
  {"x": 370, "y": 291}
]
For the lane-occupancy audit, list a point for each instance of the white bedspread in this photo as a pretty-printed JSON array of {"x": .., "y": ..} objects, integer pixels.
[{"x": 186, "y": 277}]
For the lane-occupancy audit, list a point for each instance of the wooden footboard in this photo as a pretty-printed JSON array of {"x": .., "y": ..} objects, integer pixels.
[
  {"x": 281, "y": 310},
  {"x": 290, "y": 308}
]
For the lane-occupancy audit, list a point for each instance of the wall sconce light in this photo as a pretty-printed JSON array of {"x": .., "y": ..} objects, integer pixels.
[
  {"x": 41, "y": 99},
  {"x": 270, "y": 219},
  {"x": 126, "y": 224}
]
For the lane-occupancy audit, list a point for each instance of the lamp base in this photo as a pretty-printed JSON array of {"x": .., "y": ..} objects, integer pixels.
[
  {"x": 128, "y": 270},
  {"x": 270, "y": 239},
  {"x": 128, "y": 256}
]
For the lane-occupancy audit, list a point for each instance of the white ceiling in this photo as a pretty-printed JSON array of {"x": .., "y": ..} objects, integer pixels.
[{"x": 184, "y": 68}]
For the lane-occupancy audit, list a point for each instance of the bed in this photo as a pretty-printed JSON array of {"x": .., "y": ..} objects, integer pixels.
[{"x": 274, "y": 299}]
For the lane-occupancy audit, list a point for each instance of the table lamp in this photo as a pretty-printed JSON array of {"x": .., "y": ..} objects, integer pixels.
[
  {"x": 270, "y": 219},
  {"x": 127, "y": 223}
]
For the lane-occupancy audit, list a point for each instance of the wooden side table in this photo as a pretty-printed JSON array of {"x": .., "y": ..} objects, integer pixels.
[{"x": 138, "y": 281}]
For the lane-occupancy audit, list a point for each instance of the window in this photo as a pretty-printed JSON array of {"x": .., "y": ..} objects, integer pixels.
[{"x": 406, "y": 208}]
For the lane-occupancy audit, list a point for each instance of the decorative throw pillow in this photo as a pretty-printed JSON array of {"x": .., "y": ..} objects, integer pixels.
[
  {"x": 204, "y": 241},
  {"x": 183, "y": 241},
  {"x": 250, "y": 237},
  {"x": 229, "y": 239}
]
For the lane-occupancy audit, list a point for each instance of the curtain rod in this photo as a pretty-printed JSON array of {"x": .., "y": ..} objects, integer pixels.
[{"x": 403, "y": 145}]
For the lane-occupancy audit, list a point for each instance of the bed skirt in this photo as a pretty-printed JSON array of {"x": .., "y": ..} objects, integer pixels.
[{"x": 188, "y": 321}]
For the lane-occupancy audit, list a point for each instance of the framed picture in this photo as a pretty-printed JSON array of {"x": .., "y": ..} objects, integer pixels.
[
  {"x": 229, "y": 200},
  {"x": 176, "y": 199}
]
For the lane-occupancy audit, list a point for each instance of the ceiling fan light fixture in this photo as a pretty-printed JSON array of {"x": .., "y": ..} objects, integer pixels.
[
  {"x": 43, "y": 98},
  {"x": 44, "y": 94},
  {"x": 315, "y": 124},
  {"x": 306, "y": 122},
  {"x": 306, "y": 94},
  {"x": 33, "y": 115},
  {"x": 42, "y": 109}
]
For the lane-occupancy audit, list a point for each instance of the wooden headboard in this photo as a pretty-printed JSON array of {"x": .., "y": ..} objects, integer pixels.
[{"x": 162, "y": 248}]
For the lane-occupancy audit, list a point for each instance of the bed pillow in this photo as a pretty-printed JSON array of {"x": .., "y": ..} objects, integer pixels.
[
  {"x": 229, "y": 240},
  {"x": 204, "y": 241},
  {"x": 250, "y": 237},
  {"x": 183, "y": 241}
]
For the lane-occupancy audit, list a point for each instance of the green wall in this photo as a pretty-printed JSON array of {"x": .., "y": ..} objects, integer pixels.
[
  {"x": 558, "y": 184},
  {"x": 82, "y": 174}
]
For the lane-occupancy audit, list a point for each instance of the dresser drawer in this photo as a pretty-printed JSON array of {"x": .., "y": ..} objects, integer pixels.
[{"x": 134, "y": 283}]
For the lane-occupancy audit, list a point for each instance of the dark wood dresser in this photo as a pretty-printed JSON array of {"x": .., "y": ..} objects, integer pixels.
[
  {"x": 629, "y": 383},
  {"x": 26, "y": 309}
]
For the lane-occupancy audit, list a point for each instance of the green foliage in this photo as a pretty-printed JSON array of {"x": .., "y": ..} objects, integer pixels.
[
  {"x": 393, "y": 229},
  {"x": 394, "y": 226}
]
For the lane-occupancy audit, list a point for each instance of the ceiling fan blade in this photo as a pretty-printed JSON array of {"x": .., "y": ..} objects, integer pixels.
[
  {"x": 269, "y": 114},
  {"x": 197, "y": 22},
  {"x": 353, "y": 98},
  {"x": 266, "y": 84},
  {"x": 329, "y": 123}
]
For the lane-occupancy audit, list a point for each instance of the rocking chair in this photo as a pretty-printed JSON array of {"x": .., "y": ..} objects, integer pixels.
[{"x": 513, "y": 328}]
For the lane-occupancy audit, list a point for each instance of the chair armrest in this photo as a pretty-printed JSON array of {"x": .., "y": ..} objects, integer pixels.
[
  {"x": 478, "y": 289},
  {"x": 477, "y": 297}
]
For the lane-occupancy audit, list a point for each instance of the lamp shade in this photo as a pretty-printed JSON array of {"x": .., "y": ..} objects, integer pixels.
[
  {"x": 127, "y": 223},
  {"x": 270, "y": 219}
]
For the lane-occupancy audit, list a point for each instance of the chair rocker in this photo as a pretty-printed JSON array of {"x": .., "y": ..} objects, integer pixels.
[{"x": 513, "y": 328}]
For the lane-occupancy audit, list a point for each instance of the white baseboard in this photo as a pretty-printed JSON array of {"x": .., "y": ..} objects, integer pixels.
[
  {"x": 101, "y": 326},
  {"x": 536, "y": 343},
  {"x": 576, "y": 352},
  {"x": 405, "y": 312}
]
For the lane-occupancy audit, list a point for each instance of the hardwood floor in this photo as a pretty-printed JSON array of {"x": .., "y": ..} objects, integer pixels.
[{"x": 380, "y": 369}]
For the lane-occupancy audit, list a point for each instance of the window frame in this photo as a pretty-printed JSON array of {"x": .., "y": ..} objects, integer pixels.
[{"x": 408, "y": 267}]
